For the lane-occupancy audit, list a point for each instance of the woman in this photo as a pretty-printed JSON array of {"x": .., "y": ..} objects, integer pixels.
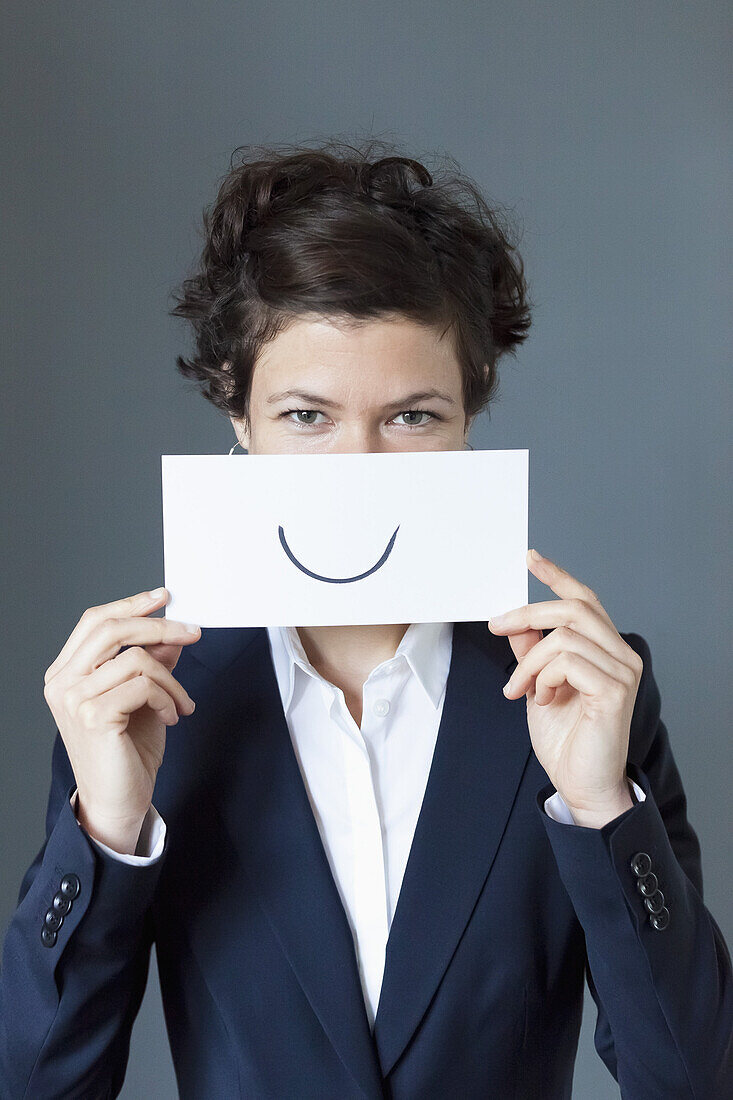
[{"x": 347, "y": 302}]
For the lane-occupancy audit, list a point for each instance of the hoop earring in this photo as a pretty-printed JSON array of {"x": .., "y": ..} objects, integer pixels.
[{"x": 238, "y": 444}]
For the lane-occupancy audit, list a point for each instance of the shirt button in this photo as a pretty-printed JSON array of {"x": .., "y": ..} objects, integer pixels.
[{"x": 381, "y": 707}]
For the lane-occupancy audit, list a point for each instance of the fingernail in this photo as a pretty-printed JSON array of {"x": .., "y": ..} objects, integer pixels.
[
  {"x": 499, "y": 619},
  {"x": 536, "y": 556},
  {"x": 156, "y": 593},
  {"x": 191, "y": 628}
]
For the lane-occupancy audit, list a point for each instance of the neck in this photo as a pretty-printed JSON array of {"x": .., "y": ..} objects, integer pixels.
[{"x": 345, "y": 655}]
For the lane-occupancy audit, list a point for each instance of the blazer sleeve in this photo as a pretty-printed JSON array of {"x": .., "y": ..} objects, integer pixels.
[
  {"x": 70, "y": 991},
  {"x": 662, "y": 981}
]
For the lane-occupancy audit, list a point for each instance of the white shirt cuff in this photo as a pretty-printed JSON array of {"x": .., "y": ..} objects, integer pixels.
[
  {"x": 557, "y": 808},
  {"x": 152, "y": 838}
]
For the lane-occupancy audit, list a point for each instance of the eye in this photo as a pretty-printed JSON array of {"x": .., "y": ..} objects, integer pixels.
[
  {"x": 301, "y": 423},
  {"x": 418, "y": 412}
]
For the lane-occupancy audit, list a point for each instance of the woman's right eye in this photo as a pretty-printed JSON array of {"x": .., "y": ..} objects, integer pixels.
[{"x": 306, "y": 412}]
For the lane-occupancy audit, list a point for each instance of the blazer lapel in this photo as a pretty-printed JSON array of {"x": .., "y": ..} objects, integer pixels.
[
  {"x": 269, "y": 818},
  {"x": 480, "y": 755}
]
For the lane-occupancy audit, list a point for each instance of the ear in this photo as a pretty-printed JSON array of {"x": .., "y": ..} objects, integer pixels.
[
  {"x": 241, "y": 433},
  {"x": 239, "y": 430}
]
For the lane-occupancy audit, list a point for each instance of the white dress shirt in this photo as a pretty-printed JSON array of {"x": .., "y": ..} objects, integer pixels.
[{"x": 365, "y": 785}]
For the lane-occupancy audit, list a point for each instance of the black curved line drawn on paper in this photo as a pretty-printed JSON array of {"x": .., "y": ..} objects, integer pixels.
[{"x": 337, "y": 580}]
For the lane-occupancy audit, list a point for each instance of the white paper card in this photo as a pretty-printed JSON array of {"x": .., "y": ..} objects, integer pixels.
[{"x": 333, "y": 539}]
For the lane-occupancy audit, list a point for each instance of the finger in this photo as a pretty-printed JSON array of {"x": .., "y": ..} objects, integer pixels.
[
  {"x": 522, "y": 643},
  {"x": 140, "y": 604},
  {"x": 105, "y": 641},
  {"x": 581, "y": 674},
  {"x": 564, "y": 584},
  {"x": 575, "y": 613},
  {"x": 167, "y": 653},
  {"x": 111, "y": 711},
  {"x": 563, "y": 639},
  {"x": 133, "y": 662}
]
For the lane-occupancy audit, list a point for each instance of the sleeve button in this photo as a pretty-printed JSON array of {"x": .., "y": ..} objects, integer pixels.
[
  {"x": 641, "y": 864},
  {"x": 655, "y": 902},
  {"x": 53, "y": 920},
  {"x": 648, "y": 885},
  {"x": 48, "y": 937},
  {"x": 70, "y": 886},
  {"x": 659, "y": 920},
  {"x": 61, "y": 904}
]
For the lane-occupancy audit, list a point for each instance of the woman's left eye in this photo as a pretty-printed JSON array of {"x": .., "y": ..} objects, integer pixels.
[{"x": 417, "y": 412}]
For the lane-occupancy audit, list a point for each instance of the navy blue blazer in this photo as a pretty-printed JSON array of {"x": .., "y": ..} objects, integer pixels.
[{"x": 503, "y": 915}]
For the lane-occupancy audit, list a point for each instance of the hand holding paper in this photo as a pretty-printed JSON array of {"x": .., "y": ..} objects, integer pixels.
[{"x": 581, "y": 682}]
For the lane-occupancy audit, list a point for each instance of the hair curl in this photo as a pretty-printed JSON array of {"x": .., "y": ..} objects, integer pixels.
[{"x": 335, "y": 232}]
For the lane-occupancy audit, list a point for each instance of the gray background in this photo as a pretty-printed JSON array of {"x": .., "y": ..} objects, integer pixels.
[{"x": 605, "y": 128}]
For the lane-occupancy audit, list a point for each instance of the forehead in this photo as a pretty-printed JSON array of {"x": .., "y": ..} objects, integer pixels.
[{"x": 324, "y": 344}]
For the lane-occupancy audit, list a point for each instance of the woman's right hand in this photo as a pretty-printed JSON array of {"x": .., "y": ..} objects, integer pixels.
[{"x": 112, "y": 709}]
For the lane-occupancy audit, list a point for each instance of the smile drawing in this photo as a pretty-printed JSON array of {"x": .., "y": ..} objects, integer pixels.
[{"x": 336, "y": 580}]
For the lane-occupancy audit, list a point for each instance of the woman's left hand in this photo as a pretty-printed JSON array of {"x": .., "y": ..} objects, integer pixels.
[{"x": 581, "y": 683}]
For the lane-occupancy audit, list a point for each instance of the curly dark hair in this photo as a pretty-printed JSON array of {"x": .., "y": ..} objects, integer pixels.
[{"x": 337, "y": 232}]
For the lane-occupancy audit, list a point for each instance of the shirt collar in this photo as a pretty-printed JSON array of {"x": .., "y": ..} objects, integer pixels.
[{"x": 426, "y": 648}]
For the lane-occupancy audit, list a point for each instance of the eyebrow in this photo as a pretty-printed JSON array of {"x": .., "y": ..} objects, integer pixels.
[{"x": 404, "y": 403}]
